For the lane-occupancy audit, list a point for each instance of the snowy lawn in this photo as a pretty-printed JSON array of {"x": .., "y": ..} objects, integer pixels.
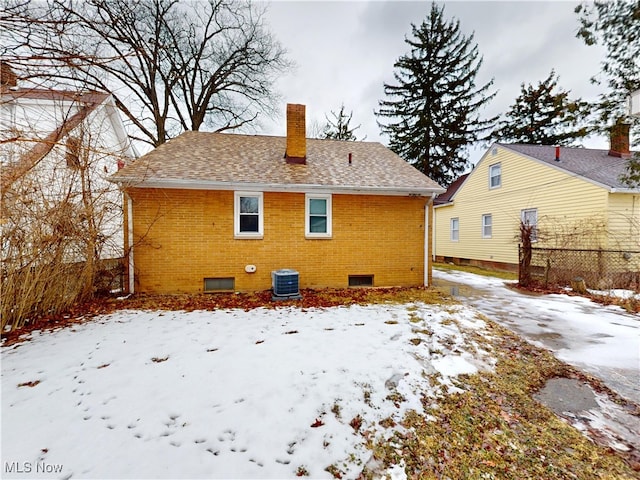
[{"x": 227, "y": 394}]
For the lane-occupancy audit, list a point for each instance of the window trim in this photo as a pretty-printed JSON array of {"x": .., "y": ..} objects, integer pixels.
[
  {"x": 236, "y": 216},
  {"x": 307, "y": 215},
  {"x": 452, "y": 230},
  {"x": 534, "y": 232},
  {"x": 491, "y": 176},
  {"x": 484, "y": 225}
]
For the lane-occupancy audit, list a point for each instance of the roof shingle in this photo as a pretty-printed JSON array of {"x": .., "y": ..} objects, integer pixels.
[
  {"x": 210, "y": 160},
  {"x": 591, "y": 164}
]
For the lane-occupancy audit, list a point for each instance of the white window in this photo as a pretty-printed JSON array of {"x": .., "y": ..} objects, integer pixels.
[
  {"x": 495, "y": 175},
  {"x": 248, "y": 218},
  {"x": 317, "y": 216},
  {"x": 530, "y": 218},
  {"x": 487, "y": 223},
  {"x": 455, "y": 229}
]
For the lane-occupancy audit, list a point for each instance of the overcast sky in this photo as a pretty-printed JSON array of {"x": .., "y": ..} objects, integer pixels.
[{"x": 345, "y": 50}]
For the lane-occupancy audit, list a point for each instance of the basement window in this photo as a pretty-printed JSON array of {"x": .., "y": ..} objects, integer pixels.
[
  {"x": 219, "y": 284},
  {"x": 361, "y": 280}
]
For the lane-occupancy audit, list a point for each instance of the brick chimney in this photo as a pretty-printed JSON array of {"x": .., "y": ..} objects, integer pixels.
[
  {"x": 620, "y": 141},
  {"x": 296, "y": 134}
]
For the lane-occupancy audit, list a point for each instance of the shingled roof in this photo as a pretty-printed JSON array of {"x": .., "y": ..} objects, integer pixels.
[
  {"x": 593, "y": 165},
  {"x": 218, "y": 161},
  {"x": 447, "y": 197}
]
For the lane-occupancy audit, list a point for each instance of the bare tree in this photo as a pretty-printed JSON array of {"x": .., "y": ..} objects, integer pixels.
[
  {"x": 61, "y": 219},
  {"x": 171, "y": 66}
]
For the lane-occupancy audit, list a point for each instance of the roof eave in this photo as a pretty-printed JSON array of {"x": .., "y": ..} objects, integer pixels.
[
  {"x": 129, "y": 182},
  {"x": 632, "y": 191}
]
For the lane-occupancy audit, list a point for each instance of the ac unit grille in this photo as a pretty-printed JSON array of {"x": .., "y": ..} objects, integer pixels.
[{"x": 285, "y": 283}]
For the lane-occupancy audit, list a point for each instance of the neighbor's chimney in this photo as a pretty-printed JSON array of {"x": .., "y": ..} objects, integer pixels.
[
  {"x": 557, "y": 153},
  {"x": 620, "y": 141},
  {"x": 296, "y": 134}
]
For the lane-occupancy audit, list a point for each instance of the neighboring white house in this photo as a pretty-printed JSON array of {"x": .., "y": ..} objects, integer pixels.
[{"x": 57, "y": 149}]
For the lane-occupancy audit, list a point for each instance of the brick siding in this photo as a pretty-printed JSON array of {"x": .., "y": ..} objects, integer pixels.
[{"x": 183, "y": 236}]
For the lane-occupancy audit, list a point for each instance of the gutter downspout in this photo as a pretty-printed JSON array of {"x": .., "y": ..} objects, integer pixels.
[
  {"x": 427, "y": 208},
  {"x": 433, "y": 237},
  {"x": 130, "y": 243}
]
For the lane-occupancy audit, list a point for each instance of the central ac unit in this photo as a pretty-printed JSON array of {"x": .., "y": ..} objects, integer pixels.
[{"x": 286, "y": 285}]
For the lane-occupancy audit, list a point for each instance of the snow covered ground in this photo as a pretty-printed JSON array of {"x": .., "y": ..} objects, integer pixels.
[{"x": 225, "y": 394}]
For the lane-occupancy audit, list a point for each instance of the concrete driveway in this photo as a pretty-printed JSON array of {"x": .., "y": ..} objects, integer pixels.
[{"x": 601, "y": 340}]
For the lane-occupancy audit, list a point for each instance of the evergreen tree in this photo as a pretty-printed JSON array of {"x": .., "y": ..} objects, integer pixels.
[
  {"x": 338, "y": 128},
  {"x": 433, "y": 109},
  {"x": 615, "y": 24},
  {"x": 544, "y": 115}
]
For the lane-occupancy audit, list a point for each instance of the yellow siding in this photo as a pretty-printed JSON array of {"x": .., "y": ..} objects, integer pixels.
[
  {"x": 571, "y": 211},
  {"x": 183, "y": 236},
  {"x": 624, "y": 221}
]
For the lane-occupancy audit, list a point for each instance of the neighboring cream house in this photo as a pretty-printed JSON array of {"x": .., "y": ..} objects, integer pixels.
[
  {"x": 221, "y": 212},
  {"x": 572, "y": 196}
]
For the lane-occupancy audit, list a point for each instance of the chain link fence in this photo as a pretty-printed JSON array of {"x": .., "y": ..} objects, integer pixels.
[{"x": 599, "y": 269}]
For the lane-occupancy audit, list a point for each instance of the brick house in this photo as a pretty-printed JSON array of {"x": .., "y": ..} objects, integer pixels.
[{"x": 220, "y": 212}]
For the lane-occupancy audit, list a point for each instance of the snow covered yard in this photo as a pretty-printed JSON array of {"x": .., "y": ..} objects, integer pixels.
[{"x": 229, "y": 393}]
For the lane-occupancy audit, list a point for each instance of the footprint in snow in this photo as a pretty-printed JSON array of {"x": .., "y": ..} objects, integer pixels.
[{"x": 227, "y": 435}]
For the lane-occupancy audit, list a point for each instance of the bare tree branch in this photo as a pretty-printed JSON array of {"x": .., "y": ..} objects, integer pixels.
[{"x": 170, "y": 66}]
